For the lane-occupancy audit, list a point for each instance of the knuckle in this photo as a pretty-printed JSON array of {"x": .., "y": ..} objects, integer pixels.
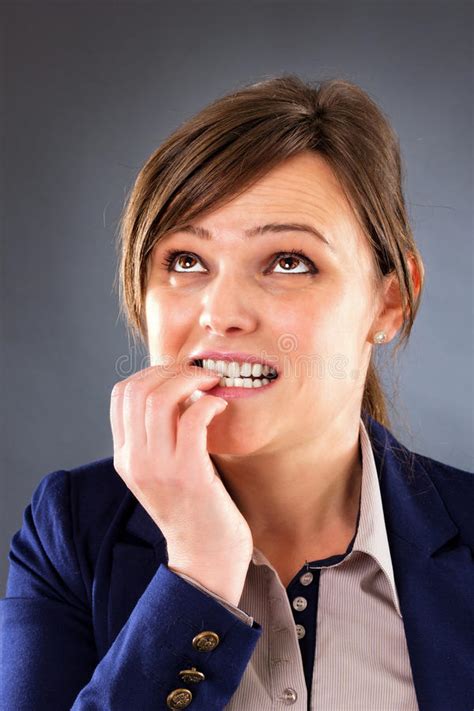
[
  {"x": 154, "y": 399},
  {"x": 165, "y": 371},
  {"x": 139, "y": 375},
  {"x": 191, "y": 418},
  {"x": 117, "y": 389},
  {"x": 132, "y": 389}
]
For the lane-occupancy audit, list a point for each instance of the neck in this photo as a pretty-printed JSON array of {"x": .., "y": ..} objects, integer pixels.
[{"x": 301, "y": 497}]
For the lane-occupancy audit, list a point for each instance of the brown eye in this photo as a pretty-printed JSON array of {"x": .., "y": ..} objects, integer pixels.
[
  {"x": 295, "y": 255},
  {"x": 183, "y": 259},
  {"x": 285, "y": 263},
  {"x": 186, "y": 261}
]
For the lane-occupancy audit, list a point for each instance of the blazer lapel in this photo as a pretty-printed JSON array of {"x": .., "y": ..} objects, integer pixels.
[{"x": 433, "y": 574}]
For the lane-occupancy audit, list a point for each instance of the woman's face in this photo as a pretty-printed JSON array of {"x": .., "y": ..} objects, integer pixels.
[{"x": 312, "y": 316}]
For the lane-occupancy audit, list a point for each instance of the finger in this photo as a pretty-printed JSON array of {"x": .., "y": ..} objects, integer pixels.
[
  {"x": 162, "y": 411},
  {"x": 128, "y": 405},
  {"x": 116, "y": 419},
  {"x": 133, "y": 407},
  {"x": 165, "y": 371},
  {"x": 134, "y": 391},
  {"x": 193, "y": 424}
]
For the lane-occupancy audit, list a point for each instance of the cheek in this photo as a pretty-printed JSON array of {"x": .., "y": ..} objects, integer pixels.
[
  {"x": 154, "y": 314},
  {"x": 158, "y": 316},
  {"x": 323, "y": 340},
  {"x": 168, "y": 323},
  {"x": 301, "y": 333}
]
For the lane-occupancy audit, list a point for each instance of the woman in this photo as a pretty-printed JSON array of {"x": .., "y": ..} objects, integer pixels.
[{"x": 259, "y": 538}]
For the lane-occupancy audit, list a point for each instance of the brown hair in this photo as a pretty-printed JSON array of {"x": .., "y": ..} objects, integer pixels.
[{"x": 226, "y": 147}]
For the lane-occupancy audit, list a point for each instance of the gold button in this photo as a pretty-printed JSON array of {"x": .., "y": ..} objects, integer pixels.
[
  {"x": 191, "y": 675},
  {"x": 206, "y": 641},
  {"x": 179, "y": 699}
]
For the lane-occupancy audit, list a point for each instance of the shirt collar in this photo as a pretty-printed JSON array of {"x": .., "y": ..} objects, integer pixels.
[{"x": 371, "y": 537}]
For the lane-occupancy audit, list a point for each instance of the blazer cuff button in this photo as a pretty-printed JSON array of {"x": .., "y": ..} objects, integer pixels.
[
  {"x": 191, "y": 675},
  {"x": 179, "y": 699},
  {"x": 206, "y": 641}
]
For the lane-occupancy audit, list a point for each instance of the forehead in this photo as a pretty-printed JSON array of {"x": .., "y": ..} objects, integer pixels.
[{"x": 303, "y": 188}]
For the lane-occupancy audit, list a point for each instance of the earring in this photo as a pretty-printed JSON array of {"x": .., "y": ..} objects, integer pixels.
[{"x": 380, "y": 337}]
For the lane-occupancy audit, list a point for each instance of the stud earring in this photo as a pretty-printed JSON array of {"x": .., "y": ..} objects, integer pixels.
[{"x": 380, "y": 337}]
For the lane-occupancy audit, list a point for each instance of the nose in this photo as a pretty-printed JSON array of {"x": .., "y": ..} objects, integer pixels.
[{"x": 227, "y": 306}]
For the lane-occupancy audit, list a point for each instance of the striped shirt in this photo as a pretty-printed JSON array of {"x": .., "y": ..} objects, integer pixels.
[{"x": 333, "y": 639}]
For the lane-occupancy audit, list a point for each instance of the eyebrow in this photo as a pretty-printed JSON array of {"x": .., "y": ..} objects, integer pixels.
[{"x": 203, "y": 233}]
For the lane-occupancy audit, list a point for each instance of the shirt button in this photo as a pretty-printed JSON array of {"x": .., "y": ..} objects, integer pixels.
[
  {"x": 300, "y": 631},
  {"x": 289, "y": 696},
  {"x": 300, "y": 603},
  {"x": 306, "y": 579}
]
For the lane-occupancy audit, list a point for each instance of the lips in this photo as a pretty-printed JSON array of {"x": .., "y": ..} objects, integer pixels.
[
  {"x": 268, "y": 376},
  {"x": 231, "y": 356}
]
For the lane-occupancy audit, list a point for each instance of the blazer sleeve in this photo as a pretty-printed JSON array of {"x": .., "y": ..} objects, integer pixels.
[
  {"x": 48, "y": 654},
  {"x": 248, "y": 619}
]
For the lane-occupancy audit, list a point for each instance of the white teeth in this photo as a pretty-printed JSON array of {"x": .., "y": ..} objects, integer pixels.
[
  {"x": 246, "y": 369},
  {"x": 233, "y": 369},
  {"x": 256, "y": 370},
  {"x": 243, "y": 383}
]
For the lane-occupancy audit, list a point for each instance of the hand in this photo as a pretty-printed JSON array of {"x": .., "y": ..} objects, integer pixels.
[{"x": 161, "y": 454}]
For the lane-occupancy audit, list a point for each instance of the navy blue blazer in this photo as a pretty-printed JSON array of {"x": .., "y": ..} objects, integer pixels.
[{"x": 94, "y": 620}]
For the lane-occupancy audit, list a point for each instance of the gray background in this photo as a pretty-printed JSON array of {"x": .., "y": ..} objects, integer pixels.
[{"x": 89, "y": 90}]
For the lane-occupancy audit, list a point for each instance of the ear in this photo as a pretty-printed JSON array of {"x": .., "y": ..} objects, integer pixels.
[{"x": 390, "y": 314}]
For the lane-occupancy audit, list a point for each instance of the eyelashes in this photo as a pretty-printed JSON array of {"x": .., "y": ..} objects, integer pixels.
[{"x": 295, "y": 254}]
